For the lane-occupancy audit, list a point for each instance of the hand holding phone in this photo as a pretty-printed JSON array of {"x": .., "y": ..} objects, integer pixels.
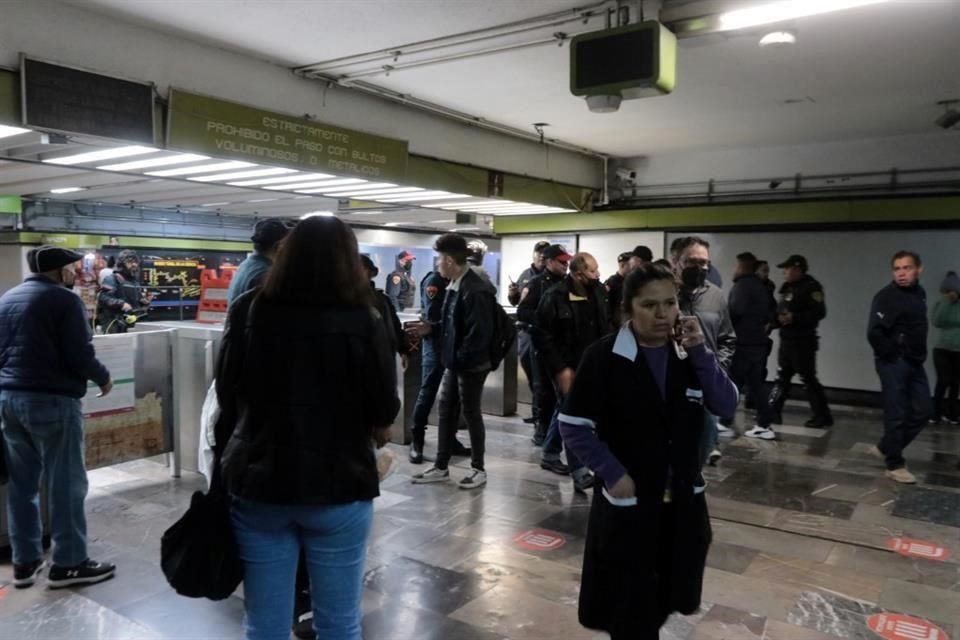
[{"x": 689, "y": 333}]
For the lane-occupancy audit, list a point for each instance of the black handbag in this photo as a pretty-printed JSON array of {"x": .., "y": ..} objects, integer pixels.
[{"x": 198, "y": 554}]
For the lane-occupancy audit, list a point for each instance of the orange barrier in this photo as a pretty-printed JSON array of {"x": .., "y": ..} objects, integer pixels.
[{"x": 213, "y": 295}]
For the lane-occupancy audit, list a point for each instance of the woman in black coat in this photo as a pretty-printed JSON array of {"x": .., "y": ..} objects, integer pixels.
[{"x": 634, "y": 416}]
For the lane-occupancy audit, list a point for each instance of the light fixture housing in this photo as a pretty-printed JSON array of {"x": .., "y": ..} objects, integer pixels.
[{"x": 102, "y": 154}]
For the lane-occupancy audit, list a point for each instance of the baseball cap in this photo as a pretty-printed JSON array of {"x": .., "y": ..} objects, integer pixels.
[
  {"x": 556, "y": 252},
  {"x": 624, "y": 257},
  {"x": 47, "y": 258},
  {"x": 540, "y": 246},
  {"x": 794, "y": 261},
  {"x": 270, "y": 231},
  {"x": 642, "y": 252},
  {"x": 406, "y": 255}
]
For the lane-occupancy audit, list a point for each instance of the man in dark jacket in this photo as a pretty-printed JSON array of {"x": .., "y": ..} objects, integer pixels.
[
  {"x": 801, "y": 308},
  {"x": 751, "y": 310},
  {"x": 121, "y": 293},
  {"x": 46, "y": 359},
  {"x": 614, "y": 287},
  {"x": 266, "y": 238},
  {"x": 395, "y": 333},
  {"x": 466, "y": 341},
  {"x": 524, "y": 344},
  {"x": 571, "y": 316},
  {"x": 897, "y": 331},
  {"x": 555, "y": 260},
  {"x": 400, "y": 285}
]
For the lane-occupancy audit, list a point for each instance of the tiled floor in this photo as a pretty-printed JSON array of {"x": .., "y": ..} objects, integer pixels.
[{"x": 801, "y": 526}]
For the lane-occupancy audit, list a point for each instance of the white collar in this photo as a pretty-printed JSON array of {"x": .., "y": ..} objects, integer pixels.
[
  {"x": 455, "y": 284},
  {"x": 625, "y": 345}
]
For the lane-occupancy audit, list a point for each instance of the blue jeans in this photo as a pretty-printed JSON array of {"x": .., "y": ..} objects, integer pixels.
[
  {"x": 553, "y": 443},
  {"x": 334, "y": 539},
  {"x": 906, "y": 407},
  {"x": 43, "y": 433},
  {"x": 431, "y": 373},
  {"x": 710, "y": 439}
]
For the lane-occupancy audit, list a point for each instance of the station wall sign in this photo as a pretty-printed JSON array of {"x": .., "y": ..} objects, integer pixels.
[
  {"x": 225, "y": 129},
  {"x": 69, "y": 100}
]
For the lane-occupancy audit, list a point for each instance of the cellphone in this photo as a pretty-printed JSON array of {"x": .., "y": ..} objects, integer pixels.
[{"x": 685, "y": 325}]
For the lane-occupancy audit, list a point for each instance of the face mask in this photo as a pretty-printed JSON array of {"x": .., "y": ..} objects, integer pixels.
[
  {"x": 693, "y": 277},
  {"x": 64, "y": 279}
]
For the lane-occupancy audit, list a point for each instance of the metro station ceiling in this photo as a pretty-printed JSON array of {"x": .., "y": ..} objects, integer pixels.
[{"x": 870, "y": 72}]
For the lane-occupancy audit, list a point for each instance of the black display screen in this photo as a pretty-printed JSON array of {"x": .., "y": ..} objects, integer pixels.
[{"x": 622, "y": 57}]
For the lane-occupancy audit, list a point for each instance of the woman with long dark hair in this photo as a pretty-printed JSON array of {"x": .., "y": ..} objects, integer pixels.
[
  {"x": 306, "y": 381},
  {"x": 635, "y": 416}
]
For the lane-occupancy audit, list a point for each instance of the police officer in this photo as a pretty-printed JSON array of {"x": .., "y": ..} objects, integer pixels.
[
  {"x": 120, "y": 292},
  {"x": 800, "y": 309},
  {"x": 614, "y": 287},
  {"x": 535, "y": 269},
  {"x": 555, "y": 268},
  {"x": 524, "y": 343},
  {"x": 400, "y": 285},
  {"x": 476, "y": 252}
]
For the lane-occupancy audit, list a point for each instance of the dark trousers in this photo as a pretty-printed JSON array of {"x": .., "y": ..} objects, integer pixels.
[
  {"x": 525, "y": 353},
  {"x": 431, "y": 373},
  {"x": 799, "y": 357},
  {"x": 546, "y": 396},
  {"x": 906, "y": 407},
  {"x": 461, "y": 391},
  {"x": 947, "y": 364},
  {"x": 746, "y": 371}
]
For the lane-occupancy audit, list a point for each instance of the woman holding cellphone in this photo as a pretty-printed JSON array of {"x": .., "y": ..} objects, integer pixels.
[{"x": 634, "y": 416}]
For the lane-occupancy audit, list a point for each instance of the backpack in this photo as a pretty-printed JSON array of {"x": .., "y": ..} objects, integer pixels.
[{"x": 504, "y": 334}]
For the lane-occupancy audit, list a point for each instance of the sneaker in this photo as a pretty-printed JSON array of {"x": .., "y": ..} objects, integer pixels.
[
  {"x": 583, "y": 482},
  {"x": 901, "y": 475},
  {"x": 475, "y": 480},
  {"x": 556, "y": 466},
  {"x": 819, "y": 423},
  {"x": 876, "y": 453},
  {"x": 460, "y": 450},
  {"x": 530, "y": 420},
  {"x": 87, "y": 572},
  {"x": 725, "y": 432},
  {"x": 24, "y": 575},
  {"x": 714, "y": 457},
  {"x": 763, "y": 433},
  {"x": 953, "y": 420},
  {"x": 432, "y": 475}
]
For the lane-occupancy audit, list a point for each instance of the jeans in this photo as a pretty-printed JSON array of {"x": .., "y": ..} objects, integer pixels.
[
  {"x": 747, "y": 373},
  {"x": 906, "y": 407},
  {"x": 431, "y": 373},
  {"x": 44, "y": 435},
  {"x": 553, "y": 443},
  {"x": 269, "y": 539},
  {"x": 528, "y": 364},
  {"x": 461, "y": 391},
  {"x": 799, "y": 357},
  {"x": 947, "y": 364},
  {"x": 710, "y": 439}
]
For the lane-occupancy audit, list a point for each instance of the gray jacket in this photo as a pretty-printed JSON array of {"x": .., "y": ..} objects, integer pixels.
[{"x": 709, "y": 305}]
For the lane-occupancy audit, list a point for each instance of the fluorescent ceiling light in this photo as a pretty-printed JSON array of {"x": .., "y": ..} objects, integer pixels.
[
  {"x": 180, "y": 158},
  {"x": 68, "y": 190},
  {"x": 254, "y": 173},
  {"x": 313, "y": 214},
  {"x": 778, "y": 38},
  {"x": 205, "y": 168},
  {"x": 263, "y": 200},
  {"x": 417, "y": 197},
  {"x": 353, "y": 212},
  {"x": 772, "y": 12},
  {"x": 393, "y": 224},
  {"x": 300, "y": 177},
  {"x": 467, "y": 203},
  {"x": 441, "y": 221},
  {"x": 316, "y": 186},
  {"x": 6, "y": 132},
  {"x": 214, "y": 204},
  {"x": 103, "y": 154},
  {"x": 457, "y": 229},
  {"x": 359, "y": 194},
  {"x": 367, "y": 187}
]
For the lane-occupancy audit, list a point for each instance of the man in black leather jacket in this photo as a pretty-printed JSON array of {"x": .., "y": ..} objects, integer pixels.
[{"x": 466, "y": 339}]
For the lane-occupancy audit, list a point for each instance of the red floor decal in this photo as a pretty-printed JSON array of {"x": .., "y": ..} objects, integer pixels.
[
  {"x": 539, "y": 540},
  {"x": 918, "y": 549},
  {"x": 895, "y": 626}
]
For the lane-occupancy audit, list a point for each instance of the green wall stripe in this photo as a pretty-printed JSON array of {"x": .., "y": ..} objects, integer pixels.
[
  {"x": 10, "y": 204},
  {"x": 82, "y": 241},
  {"x": 878, "y": 210}
]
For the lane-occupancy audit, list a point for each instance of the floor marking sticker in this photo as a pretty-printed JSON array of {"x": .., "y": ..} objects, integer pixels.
[
  {"x": 918, "y": 549},
  {"x": 539, "y": 540},
  {"x": 895, "y": 626}
]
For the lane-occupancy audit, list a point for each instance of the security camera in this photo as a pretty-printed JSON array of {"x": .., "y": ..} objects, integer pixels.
[{"x": 627, "y": 174}]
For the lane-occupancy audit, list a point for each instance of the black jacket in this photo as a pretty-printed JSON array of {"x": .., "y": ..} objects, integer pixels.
[
  {"x": 752, "y": 310},
  {"x": 115, "y": 290},
  {"x": 898, "y": 324},
  {"x": 466, "y": 329},
  {"x": 614, "y": 285},
  {"x": 538, "y": 285},
  {"x": 566, "y": 324},
  {"x": 805, "y": 300},
  {"x": 624, "y": 554},
  {"x": 395, "y": 333},
  {"x": 433, "y": 288},
  {"x": 301, "y": 390}
]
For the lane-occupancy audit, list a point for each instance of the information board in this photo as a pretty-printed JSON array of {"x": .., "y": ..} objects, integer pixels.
[{"x": 81, "y": 102}]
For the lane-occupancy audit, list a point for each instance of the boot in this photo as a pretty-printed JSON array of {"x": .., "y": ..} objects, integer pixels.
[
  {"x": 821, "y": 410},
  {"x": 416, "y": 447}
]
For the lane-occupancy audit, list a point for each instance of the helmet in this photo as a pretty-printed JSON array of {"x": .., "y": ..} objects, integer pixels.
[{"x": 476, "y": 250}]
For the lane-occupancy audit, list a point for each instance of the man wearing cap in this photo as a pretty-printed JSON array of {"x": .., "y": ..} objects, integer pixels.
[
  {"x": 799, "y": 311},
  {"x": 120, "y": 292},
  {"x": 400, "y": 284},
  {"x": 640, "y": 256},
  {"x": 266, "y": 238},
  {"x": 524, "y": 343},
  {"x": 614, "y": 287},
  {"x": 46, "y": 359},
  {"x": 555, "y": 260}
]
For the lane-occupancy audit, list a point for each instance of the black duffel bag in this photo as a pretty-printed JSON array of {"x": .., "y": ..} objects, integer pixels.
[{"x": 198, "y": 554}]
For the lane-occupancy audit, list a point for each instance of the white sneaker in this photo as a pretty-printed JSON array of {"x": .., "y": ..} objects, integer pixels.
[
  {"x": 763, "y": 433},
  {"x": 714, "y": 457},
  {"x": 901, "y": 475},
  {"x": 432, "y": 475},
  {"x": 725, "y": 432},
  {"x": 475, "y": 480}
]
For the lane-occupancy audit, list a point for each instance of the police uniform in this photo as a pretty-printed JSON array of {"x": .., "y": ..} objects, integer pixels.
[
  {"x": 799, "y": 343},
  {"x": 432, "y": 289},
  {"x": 400, "y": 285}
]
